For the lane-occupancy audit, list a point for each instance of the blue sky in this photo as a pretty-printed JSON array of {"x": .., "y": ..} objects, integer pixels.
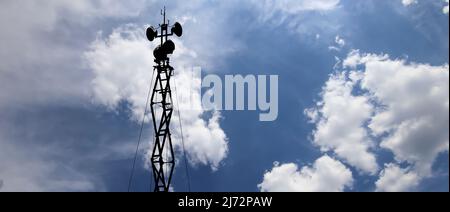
[{"x": 73, "y": 80}]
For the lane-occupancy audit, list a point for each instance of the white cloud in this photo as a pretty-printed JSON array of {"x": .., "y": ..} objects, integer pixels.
[
  {"x": 395, "y": 179},
  {"x": 339, "y": 41},
  {"x": 333, "y": 48},
  {"x": 445, "y": 9},
  {"x": 414, "y": 109},
  {"x": 326, "y": 175},
  {"x": 339, "y": 44},
  {"x": 404, "y": 105},
  {"x": 206, "y": 142},
  {"x": 409, "y": 2},
  {"x": 340, "y": 118},
  {"x": 303, "y": 17},
  {"x": 354, "y": 58},
  {"x": 122, "y": 64},
  {"x": 293, "y": 7}
]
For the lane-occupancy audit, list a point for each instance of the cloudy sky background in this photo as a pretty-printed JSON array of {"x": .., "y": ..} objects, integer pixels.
[{"x": 363, "y": 94}]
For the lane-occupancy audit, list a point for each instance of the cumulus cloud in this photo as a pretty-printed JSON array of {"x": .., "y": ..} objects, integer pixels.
[
  {"x": 325, "y": 175},
  {"x": 378, "y": 102},
  {"x": 403, "y": 105},
  {"x": 395, "y": 179},
  {"x": 122, "y": 64},
  {"x": 340, "y": 118},
  {"x": 205, "y": 140},
  {"x": 414, "y": 101}
]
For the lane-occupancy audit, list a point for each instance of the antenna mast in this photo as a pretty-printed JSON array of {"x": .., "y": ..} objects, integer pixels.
[{"x": 163, "y": 159}]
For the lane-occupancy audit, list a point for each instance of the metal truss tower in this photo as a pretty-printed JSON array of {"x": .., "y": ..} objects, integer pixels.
[{"x": 163, "y": 158}]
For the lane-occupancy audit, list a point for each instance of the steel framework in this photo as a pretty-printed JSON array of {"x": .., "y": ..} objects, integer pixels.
[{"x": 163, "y": 160}]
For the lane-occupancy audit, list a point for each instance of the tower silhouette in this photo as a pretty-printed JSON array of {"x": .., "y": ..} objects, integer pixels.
[{"x": 162, "y": 108}]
